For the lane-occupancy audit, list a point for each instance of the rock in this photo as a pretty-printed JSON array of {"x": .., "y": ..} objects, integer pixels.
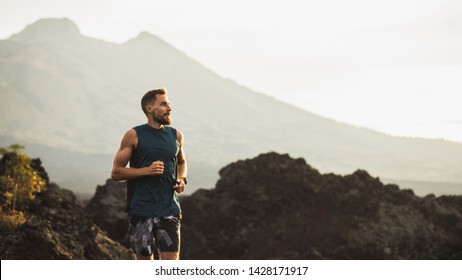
[
  {"x": 276, "y": 207},
  {"x": 57, "y": 228},
  {"x": 107, "y": 210}
]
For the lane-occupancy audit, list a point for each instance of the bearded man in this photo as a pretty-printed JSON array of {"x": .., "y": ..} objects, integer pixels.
[{"x": 157, "y": 173}]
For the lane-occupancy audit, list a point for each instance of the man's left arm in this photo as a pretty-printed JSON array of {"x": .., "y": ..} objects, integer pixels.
[{"x": 182, "y": 165}]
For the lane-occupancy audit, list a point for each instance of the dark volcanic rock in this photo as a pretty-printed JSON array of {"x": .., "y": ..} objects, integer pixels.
[
  {"x": 276, "y": 207},
  {"x": 107, "y": 207},
  {"x": 57, "y": 228}
]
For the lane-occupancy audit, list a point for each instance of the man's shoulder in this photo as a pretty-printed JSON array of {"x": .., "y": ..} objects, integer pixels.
[
  {"x": 139, "y": 127},
  {"x": 174, "y": 131},
  {"x": 135, "y": 131},
  {"x": 168, "y": 126}
]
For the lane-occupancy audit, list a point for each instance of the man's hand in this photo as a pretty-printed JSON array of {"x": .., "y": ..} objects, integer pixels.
[
  {"x": 179, "y": 187},
  {"x": 156, "y": 168}
]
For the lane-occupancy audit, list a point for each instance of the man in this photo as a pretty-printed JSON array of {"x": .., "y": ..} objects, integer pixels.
[{"x": 156, "y": 174}]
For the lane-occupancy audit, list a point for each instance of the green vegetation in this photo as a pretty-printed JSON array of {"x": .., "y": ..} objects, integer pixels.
[
  {"x": 14, "y": 148},
  {"x": 19, "y": 184}
]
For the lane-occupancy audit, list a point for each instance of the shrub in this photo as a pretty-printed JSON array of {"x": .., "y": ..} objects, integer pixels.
[{"x": 19, "y": 184}]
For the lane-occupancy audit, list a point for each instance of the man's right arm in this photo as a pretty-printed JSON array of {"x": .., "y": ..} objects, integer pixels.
[{"x": 120, "y": 171}]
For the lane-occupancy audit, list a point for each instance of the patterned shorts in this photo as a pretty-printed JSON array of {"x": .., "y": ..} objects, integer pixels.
[{"x": 162, "y": 232}]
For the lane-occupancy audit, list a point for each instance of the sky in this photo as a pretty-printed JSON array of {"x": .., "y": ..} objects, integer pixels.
[{"x": 394, "y": 66}]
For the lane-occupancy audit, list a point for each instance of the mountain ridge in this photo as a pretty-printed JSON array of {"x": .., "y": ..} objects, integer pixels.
[
  {"x": 83, "y": 95},
  {"x": 34, "y": 32}
]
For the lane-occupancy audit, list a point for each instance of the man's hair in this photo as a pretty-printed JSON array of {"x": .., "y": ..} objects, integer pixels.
[{"x": 150, "y": 97}]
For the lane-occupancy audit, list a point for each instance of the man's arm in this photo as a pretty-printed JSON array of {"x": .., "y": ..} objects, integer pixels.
[
  {"x": 182, "y": 165},
  {"x": 120, "y": 171}
]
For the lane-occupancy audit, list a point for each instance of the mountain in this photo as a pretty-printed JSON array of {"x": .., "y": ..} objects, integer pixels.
[
  {"x": 75, "y": 95},
  {"x": 259, "y": 210}
]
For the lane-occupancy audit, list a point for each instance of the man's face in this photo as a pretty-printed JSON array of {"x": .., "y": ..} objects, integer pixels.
[{"x": 160, "y": 111}]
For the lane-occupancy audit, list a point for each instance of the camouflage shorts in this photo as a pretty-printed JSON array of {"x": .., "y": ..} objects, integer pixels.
[{"x": 162, "y": 232}]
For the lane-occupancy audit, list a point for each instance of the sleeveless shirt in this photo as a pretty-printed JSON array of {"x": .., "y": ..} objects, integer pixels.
[{"x": 154, "y": 196}]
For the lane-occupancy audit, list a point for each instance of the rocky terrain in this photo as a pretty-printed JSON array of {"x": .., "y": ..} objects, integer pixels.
[
  {"x": 277, "y": 207},
  {"x": 57, "y": 228},
  {"x": 268, "y": 207},
  {"x": 107, "y": 209}
]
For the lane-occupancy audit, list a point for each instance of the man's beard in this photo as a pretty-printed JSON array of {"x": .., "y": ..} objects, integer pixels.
[{"x": 164, "y": 120}]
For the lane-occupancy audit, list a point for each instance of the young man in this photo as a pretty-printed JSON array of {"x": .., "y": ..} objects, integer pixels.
[{"x": 156, "y": 174}]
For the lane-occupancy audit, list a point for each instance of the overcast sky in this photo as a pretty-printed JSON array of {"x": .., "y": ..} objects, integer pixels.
[{"x": 394, "y": 66}]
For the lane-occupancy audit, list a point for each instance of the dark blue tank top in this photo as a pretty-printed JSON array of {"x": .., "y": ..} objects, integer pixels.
[{"x": 154, "y": 196}]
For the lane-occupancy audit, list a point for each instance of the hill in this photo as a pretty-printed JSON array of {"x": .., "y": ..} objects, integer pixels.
[{"x": 75, "y": 94}]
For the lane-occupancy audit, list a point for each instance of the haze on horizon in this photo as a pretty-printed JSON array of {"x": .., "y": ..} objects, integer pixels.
[{"x": 391, "y": 66}]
